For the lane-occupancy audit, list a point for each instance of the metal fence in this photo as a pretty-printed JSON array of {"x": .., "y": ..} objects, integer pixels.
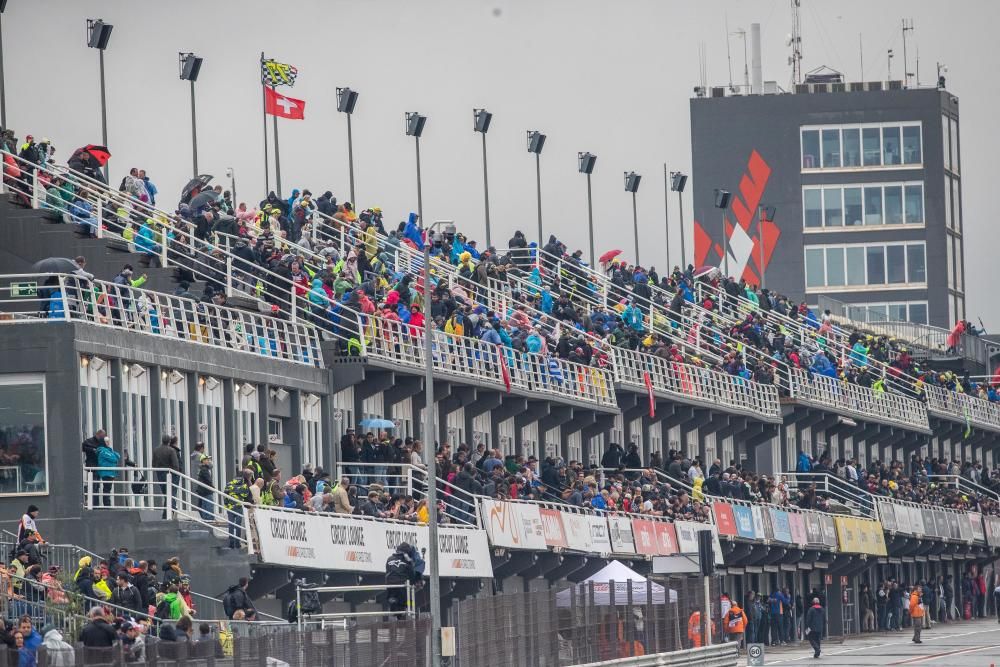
[
  {"x": 388, "y": 644},
  {"x": 585, "y": 623}
]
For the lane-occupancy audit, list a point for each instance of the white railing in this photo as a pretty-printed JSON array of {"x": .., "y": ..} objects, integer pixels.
[
  {"x": 833, "y": 488},
  {"x": 173, "y": 493},
  {"x": 923, "y": 520},
  {"x": 62, "y": 297},
  {"x": 857, "y": 401},
  {"x": 959, "y": 407},
  {"x": 964, "y": 484},
  {"x": 701, "y": 384},
  {"x": 401, "y": 343}
]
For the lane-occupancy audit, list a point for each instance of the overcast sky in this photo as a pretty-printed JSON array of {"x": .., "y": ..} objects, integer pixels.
[{"x": 612, "y": 77}]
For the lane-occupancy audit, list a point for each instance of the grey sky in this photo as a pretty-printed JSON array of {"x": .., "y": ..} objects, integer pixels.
[{"x": 610, "y": 77}]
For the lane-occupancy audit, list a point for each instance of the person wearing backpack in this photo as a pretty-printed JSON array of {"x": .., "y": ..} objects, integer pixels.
[
  {"x": 236, "y": 599},
  {"x": 107, "y": 460},
  {"x": 172, "y": 606}
]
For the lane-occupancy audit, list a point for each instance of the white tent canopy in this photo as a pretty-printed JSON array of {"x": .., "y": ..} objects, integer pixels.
[{"x": 622, "y": 575}]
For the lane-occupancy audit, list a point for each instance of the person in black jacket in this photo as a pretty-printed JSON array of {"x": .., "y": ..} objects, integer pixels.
[
  {"x": 632, "y": 460},
  {"x": 90, "y": 446},
  {"x": 613, "y": 457},
  {"x": 126, "y": 594},
  {"x": 236, "y": 598},
  {"x": 349, "y": 452},
  {"x": 404, "y": 566},
  {"x": 142, "y": 582},
  {"x": 167, "y": 457},
  {"x": 97, "y": 634},
  {"x": 815, "y": 625}
]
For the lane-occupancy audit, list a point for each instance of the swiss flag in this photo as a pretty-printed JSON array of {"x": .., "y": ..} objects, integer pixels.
[{"x": 283, "y": 107}]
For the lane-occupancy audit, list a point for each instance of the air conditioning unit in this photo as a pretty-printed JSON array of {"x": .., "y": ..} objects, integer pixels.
[
  {"x": 718, "y": 91},
  {"x": 857, "y": 86},
  {"x": 874, "y": 86},
  {"x": 770, "y": 87},
  {"x": 819, "y": 87},
  {"x": 802, "y": 88},
  {"x": 895, "y": 85}
]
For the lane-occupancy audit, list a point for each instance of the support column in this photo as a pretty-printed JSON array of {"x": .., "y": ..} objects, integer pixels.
[
  {"x": 558, "y": 415},
  {"x": 292, "y": 433},
  {"x": 535, "y": 411},
  {"x": 450, "y": 404},
  {"x": 602, "y": 424},
  {"x": 510, "y": 406},
  {"x": 485, "y": 402}
]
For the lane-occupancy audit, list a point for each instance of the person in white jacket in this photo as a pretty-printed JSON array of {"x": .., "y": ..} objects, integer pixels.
[{"x": 58, "y": 651}]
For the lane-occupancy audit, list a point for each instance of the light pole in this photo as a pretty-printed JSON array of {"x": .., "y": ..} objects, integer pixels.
[
  {"x": 481, "y": 123},
  {"x": 677, "y": 183},
  {"x": 347, "y": 99},
  {"x": 3, "y": 81},
  {"x": 190, "y": 66},
  {"x": 666, "y": 211},
  {"x": 536, "y": 141},
  {"x": 231, "y": 174},
  {"x": 632, "y": 185},
  {"x": 98, "y": 36},
  {"x": 585, "y": 165},
  {"x": 764, "y": 214},
  {"x": 722, "y": 203},
  {"x": 414, "y": 128}
]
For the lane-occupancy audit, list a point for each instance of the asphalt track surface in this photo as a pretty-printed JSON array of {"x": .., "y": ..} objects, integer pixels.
[{"x": 966, "y": 644}]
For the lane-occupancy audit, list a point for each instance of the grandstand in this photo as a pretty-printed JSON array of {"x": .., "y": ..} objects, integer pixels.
[{"x": 585, "y": 415}]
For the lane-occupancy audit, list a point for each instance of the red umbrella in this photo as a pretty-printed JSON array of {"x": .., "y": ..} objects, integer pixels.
[
  {"x": 100, "y": 153},
  {"x": 608, "y": 256}
]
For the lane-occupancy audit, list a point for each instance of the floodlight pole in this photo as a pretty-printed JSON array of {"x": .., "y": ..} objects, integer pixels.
[
  {"x": 104, "y": 112},
  {"x": 635, "y": 227},
  {"x": 725, "y": 244},
  {"x": 538, "y": 188},
  {"x": 590, "y": 220},
  {"x": 680, "y": 203},
  {"x": 486, "y": 194},
  {"x": 350, "y": 160},
  {"x": 194, "y": 134},
  {"x": 666, "y": 212},
  {"x": 3, "y": 82},
  {"x": 277, "y": 154}
]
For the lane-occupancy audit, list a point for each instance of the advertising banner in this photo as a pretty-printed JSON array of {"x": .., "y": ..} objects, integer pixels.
[
  {"x": 645, "y": 537},
  {"x": 902, "y": 515},
  {"x": 724, "y": 518},
  {"x": 964, "y": 527},
  {"x": 797, "y": 526},
  {"x": 878, "y": 539},
  {"x": 847, "y": 537},
  {"x": 941, "y": 524},
  {"x": 666, "y": 538},
  {"x": 758, "y": 522},
  {"x": 331, "y": 542},
  {"x": 586, "y": 532},
  {"x": 744, "y": 522},
  {"x": 620, "y": 528},
  {"x": 687, "y": 538},
  {"x": 921, "y": 523},
  {"x": 976, "y": 524},
  {"x": 814, "y": 532},
  {"x": 552, "y": 527},
  {"x": 829, "y": 531},
  {"x": 513, "y": 525},
  {"x": 888, "y": 516},
  {"x": 954, "y": 527},
  {"x": 779, "y": 525}
]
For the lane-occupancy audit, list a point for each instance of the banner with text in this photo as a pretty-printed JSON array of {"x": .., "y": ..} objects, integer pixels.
[{"x": 328, "y": 542}]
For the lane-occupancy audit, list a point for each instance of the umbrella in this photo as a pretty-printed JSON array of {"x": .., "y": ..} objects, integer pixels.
[
  {"x": 705, "y": 271},
  {"x": 377, "y": 423},
  {"x": 100, "y": 153},
  {"x": 202, "y": 199},
  {"x": 54, "y": 265},
  {"x": 608, "y": 256},
  {"x": 194, "y": 186}
]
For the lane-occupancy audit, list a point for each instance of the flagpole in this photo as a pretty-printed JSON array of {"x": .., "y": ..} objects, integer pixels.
[
  {"x": 277, "y": 157},
  {"x": 263, "y": 93}
]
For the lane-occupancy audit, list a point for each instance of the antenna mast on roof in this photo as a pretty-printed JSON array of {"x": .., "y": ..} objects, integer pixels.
[
  {"x": 907, "y": 27},
  {"x": 742, "y": 34},
  {"x": 729, "y": 57},
  {"x": 795, "y": 41}
]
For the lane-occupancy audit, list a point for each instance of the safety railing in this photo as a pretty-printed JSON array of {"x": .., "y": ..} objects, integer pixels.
[
  {"x": 965, "y": 485},
  {"x": 462, "y": 356},
  {"x": 935, "y": 339},
  {"x": 173, "y": 493},
  {"x": 702, "y": 384},
  {"x": 833, "y": 488},
  {"x": 962, "y": 407},
  {"x": 63, "y": 297},
  {"x": 857, "y": 401}
]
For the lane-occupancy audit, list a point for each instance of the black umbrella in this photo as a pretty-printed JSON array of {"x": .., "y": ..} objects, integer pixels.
[
  {"x": 202, "y": 199},
  {"x": 54, "y": 265},
  {"x": 194, "y": 186}
]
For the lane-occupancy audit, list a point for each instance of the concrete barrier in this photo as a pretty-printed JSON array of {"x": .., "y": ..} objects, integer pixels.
[{"x": 719, "y": 655}]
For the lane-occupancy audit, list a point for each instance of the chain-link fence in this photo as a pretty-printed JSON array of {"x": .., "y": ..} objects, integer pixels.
[{"x": 586, "y": 623}]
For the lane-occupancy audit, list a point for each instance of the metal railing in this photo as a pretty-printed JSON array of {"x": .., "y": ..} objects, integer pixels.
[
  {"x": 935, "y": 340},
  {"x": 63, "y": 297},
  {"x": 833, "y": 488},
  {"x": 953, "y": 404},
  {"x": 173, "y": 493},
  {"x": 922, "y": 520},
  {"x": 856, "y": 401},
  {"x": 965, "y": 485}
]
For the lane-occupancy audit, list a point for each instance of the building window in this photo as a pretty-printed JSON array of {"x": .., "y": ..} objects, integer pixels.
[
  {"x": 23, "y": 454},
  {"x": 945, "y": 144},
  {"x": 869, "y": 145},
  {"x": 918, "y": 313},
  {"x": 815, "y": 273},
  {"x": 903, "y": 311},
  {"x": 831, "y": 148},
  {"x": 956, "y": 203},
  {"x": 954, "y": 145},
  {"x": 959, "y": 278},
  {"x": 871, "y": 264},
  {"x": 813, "y": 202},
  {"x": 951, "y": 261},
  {"x": 853, "y": 207},
  {"x": 810, "y": 149},
  {"x": 833, "y": 207},
  {"x": 875, "y": 259},
  {"x": 852, "y": 147},
  {"x": 949, "y": 219},
  {"x": 870, "y": 205}
]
